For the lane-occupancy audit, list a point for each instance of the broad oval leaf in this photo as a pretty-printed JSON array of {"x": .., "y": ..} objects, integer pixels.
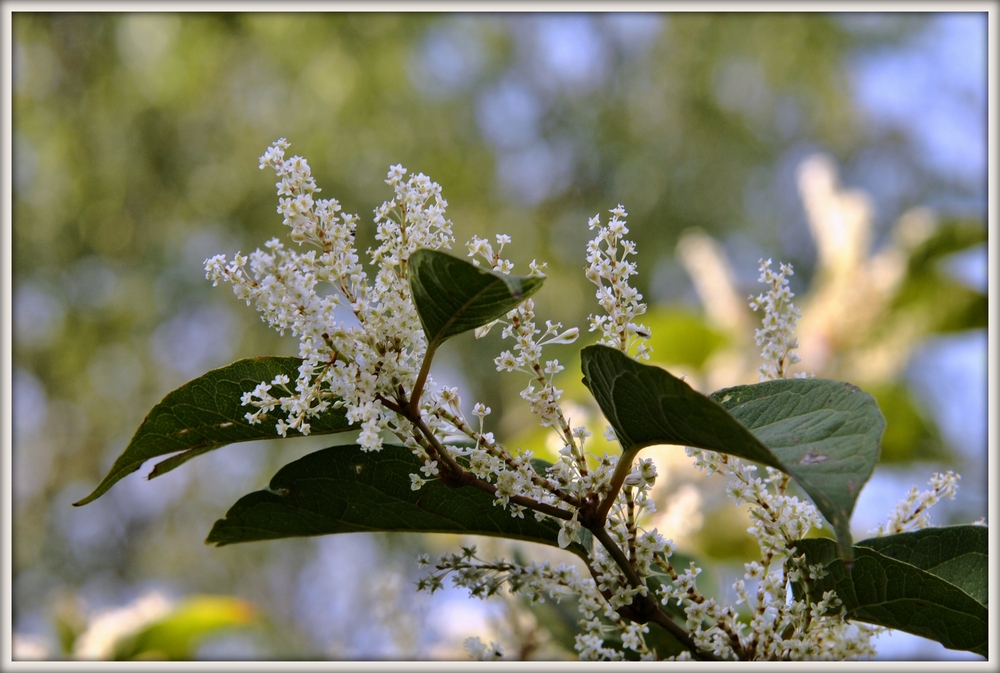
[
  {"x": 957, "y": 554},
  {"x": 454, "y": 296},
  {"x": 339, "y": 490},
  {"x": 207, "y": 413},
  {"x": 825, "y": 434},
  {"x": 929, "y": 596}
]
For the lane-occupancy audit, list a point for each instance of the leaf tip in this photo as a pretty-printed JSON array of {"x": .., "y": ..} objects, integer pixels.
[
  {"x": 90, "y": 498},
  {"x": 515, "y": 288},
  {"x": 214, "y": 539}
]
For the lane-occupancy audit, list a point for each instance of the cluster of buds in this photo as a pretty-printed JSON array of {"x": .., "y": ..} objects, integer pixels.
[
  {"x": 777, "y": 335},
  {"x": 609, "y": 269}
]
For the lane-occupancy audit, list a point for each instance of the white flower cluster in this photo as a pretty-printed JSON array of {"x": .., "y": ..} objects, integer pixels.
[
  {"x": 510, "y": 476},
  {"x": 911, "y": 512},
  {"x": 610, "y": 272},
  {"x": 777, "y": 336},
  {"x": 480, "y": 652},
  {"x": 535, "y": 582},
  {"x": 342, "y": 365},
  {"x": 544, "y": 401},
  {"x": 520, "y": 326},
  {"x": 480, "y": 247},
  {"x": 781, "y": 626},
  {"x": 368, "y": 363},
  {"x": 360, "y": 363},
  {"x": 601, "y": 597}
]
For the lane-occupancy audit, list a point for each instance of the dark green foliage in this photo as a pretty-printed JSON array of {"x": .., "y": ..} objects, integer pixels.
[
  {"x": 344, "y": 490},
  {"x": 825, "y": 434},
  {"x": 206, "y": 413},
  {"x": 931, "y": 583},
  {"x": 454, "y": 296}
]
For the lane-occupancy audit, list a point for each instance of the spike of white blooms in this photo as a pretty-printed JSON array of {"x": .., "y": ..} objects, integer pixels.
[
  {"x": 357, "y": 367},
  {"x": 610, "y": 271},
  {"x": 912, "y": 513},
  {"x": 351, "y": 365},
  {"x": 777, "y": 521},
  {"x": 777, "y": 336},
  {"x": 534, "y": 582}
]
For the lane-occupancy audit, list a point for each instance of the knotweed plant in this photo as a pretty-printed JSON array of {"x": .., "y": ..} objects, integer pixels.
[{"x": 795, "y": 451}]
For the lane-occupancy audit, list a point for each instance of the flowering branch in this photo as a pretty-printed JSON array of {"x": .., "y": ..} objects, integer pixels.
[{"x": 800, "y": 597}]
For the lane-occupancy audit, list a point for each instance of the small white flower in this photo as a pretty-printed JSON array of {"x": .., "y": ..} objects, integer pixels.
[
  {"x": 568, "y": 531},
  {"x": 480, "y": 332},
  {"x": 537, "y": 270}
]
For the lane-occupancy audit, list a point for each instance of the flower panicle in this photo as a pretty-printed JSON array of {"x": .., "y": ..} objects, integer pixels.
[
  {"x": 610, "y": 270},
  {"x": 776, "y": 336},
  {"x": 346, "y": 365}
]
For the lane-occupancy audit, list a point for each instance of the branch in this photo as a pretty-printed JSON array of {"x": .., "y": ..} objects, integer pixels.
[
  {"x": 617, "y": 479},
  {"x": 618, "y": 555},
  {"x": 456, "y": 474},
  {"x": 418, "y": 387},
  {"x": 661, "y": 619}
]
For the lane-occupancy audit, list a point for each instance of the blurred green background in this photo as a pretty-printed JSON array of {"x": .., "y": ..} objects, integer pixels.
[{"x": 136, "y": 140}]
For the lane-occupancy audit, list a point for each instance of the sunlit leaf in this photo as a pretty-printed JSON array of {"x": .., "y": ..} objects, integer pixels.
[
  {"x": 207, "y": 413},
  {"x": 682, "y": 336},
  {"x": 177, "y": 636},
  {"x": 928, "y": 293}
]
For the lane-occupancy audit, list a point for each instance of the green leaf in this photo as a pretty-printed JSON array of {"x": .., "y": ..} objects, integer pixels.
[
  {"x": 177, "y": 636},
  {"x": 684, "y": 335},
  {"x": 206, "y": 413},
  {"x": 909, "y": 435},
  {"x": 957, "y": 554},
  {"x": 933, "y": 297},
  {"x": 928, "y": 583},
  {"x": 825, "y": 434},
  {"x": 646, "y": 406},
  {"x": 345, "y": 490},
  {"x": 950, "y": 236},
  {"x": 454, "y": 296}
]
